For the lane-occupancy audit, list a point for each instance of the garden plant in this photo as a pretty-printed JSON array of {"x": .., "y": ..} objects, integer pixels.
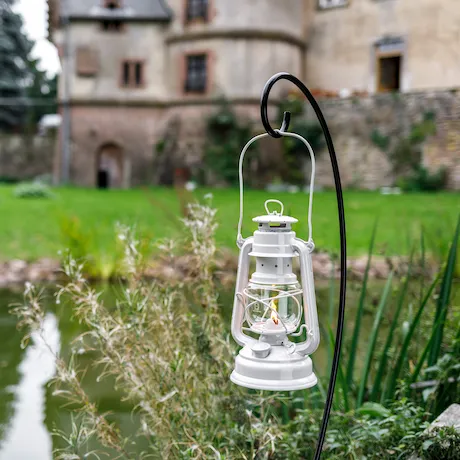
[{"x": 167, "y": 348}]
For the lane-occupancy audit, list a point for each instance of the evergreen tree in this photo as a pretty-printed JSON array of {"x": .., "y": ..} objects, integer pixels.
[
  {"x": 14, "y": 70},
  {"x": 42, "y": 91}
]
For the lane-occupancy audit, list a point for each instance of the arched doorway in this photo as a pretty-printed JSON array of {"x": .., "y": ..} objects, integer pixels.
[{"x": 109, "y": 166}]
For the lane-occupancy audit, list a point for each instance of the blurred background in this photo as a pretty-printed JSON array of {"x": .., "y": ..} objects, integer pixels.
[{"x": 125, "y": 111}]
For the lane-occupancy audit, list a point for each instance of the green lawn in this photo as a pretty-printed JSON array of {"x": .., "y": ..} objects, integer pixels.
[{"x": 31, "y": 228}]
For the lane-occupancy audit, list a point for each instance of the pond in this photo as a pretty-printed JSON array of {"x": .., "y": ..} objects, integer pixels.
[{"x": 28, "y": 410}]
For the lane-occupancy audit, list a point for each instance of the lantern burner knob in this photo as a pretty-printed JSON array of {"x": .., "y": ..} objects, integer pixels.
[{"x": 261, "y": 349}]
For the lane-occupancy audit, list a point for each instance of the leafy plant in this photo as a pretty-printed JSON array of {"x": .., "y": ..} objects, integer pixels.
[
  {"x": 360, "y": 312},
  {"x": 389, "y": 366},
  {"x": 34, "y": 189},
  {"x": 371, "y": 432},
  {"x": 443, "y": 382},
  {"x": 421, "y": 180},
  {"x": 81, "y": 245},
  {"x": 406, "y": 158},
  {"x": 405, "y": 155},
  {"x": 294, "y": 151},
  {"x": 225, "y": 136},
  {"x": 168, "y": 351},
  {"x": 380, "y": 140},
  {"x": 439, "y": 443}
]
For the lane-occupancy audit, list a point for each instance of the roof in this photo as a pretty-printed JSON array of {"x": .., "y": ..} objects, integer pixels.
[{"x": 155, "y": 10}]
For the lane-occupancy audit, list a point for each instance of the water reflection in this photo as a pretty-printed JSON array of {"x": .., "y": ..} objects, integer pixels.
[
  {"x": 11, "y": 356},
  {"x": 27, "y": 436}
]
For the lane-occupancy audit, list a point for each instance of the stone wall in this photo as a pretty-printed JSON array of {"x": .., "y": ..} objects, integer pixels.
[
  {"x": 24, "y": 157},
  {"x": 133, "y": 130},
  {"x": 353, "y": 122},
  {"x": 364, "y": 164},
  {"x": 136, "y": 131}
]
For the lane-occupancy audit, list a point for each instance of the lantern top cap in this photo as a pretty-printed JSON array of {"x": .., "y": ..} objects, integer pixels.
[{"x": 274, "y": 217}]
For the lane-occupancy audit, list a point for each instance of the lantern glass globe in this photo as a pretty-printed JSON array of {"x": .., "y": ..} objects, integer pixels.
[{"x": 271, "y": 308}]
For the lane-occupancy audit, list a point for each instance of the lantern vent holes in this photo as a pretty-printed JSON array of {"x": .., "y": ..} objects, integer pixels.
[{"x": 277, "y": 225}]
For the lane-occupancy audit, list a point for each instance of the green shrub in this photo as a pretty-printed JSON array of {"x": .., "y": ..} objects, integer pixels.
[
  {"x": 82, "y": 244},
  {"x": 406, "y": 155},
  {"x": 439, "y": 443},
  {"x": 33, "y": 190},
  {"x": 225, "y": 136},
  {"x": 9, "y": 180},
  {"x": 294, "y": 151},
  {"x": 421, "y": 180},
  {"x": 380, "y": 140}
]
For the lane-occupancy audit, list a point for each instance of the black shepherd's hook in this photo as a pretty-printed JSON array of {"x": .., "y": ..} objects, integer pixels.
[{"x": 343, "y": 243}]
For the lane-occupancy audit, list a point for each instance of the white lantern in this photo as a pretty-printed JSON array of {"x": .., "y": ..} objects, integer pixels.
[{"x": 272, "y": 305}]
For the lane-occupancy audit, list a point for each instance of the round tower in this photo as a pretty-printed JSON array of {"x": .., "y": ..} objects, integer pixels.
[
  {"x": 221, "y": 49},
  {"x": 243, "y": 43}
]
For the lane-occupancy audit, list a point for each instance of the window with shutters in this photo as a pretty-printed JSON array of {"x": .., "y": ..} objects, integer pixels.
[
  {"x": 87, "y": 61},
  {"x": 132, "y": 74}
]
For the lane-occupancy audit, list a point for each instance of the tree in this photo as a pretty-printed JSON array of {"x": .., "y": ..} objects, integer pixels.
[
  {"x": 14, "y": 53},
  {"x": 42, "y": 91}
]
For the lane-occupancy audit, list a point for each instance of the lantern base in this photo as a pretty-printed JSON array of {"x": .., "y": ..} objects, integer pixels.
[{"x": 279, "y": 371}]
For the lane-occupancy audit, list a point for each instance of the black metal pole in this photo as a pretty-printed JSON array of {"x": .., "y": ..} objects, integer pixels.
[{"x": 341, "y": 212}]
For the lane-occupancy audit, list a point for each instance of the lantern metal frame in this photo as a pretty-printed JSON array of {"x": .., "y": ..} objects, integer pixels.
[
  {"x": 244, "y": 250},
  {"x": 302, "y": 248}
]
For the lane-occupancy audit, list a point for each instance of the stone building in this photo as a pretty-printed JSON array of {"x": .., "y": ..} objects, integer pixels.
[{"x": 135, "y": 71}]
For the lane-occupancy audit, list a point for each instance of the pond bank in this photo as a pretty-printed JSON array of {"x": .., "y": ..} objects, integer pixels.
[{"x": 324, "y": 266}]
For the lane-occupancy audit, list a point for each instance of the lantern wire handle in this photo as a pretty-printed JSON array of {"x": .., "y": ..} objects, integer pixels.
[
  {"x": 274, "y": 212},
  {"x": 341, "y": 212},
  {"x": 239, "y": 237}
]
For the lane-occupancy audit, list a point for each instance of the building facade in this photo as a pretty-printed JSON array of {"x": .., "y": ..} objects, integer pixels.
[
  {"x": 133, "y": 66},
  {"x": 384, "y": 45},
  {"x": 135, "y": 71}
]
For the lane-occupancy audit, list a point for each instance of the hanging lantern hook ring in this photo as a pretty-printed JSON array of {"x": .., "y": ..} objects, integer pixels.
[
  {"x": 287, "y": 115},
  {"x": 264, "y": 104}
]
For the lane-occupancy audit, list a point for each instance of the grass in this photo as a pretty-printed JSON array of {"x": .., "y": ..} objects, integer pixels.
[{"x": 31, "y": 228}]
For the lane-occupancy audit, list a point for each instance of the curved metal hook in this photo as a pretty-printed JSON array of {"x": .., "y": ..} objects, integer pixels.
[
  {"x": 264, "y": 105},
  {"x": 287, "y": 115}
]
